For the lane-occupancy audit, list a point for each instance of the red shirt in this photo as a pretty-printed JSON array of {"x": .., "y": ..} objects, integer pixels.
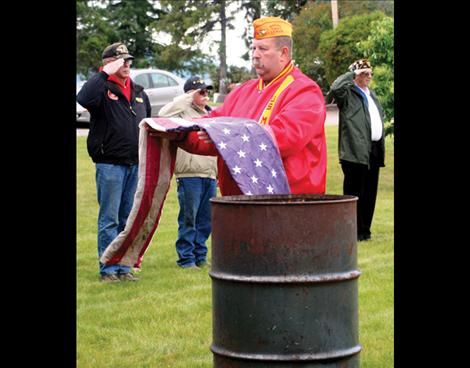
[
  {"x": 297, "y": 123},
  {"x": 125, "y": 88}
]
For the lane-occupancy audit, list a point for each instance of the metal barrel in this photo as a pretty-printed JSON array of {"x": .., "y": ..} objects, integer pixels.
[{"x": 284, "y": 281}]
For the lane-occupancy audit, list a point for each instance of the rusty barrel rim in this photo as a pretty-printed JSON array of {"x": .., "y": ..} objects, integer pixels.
[
  {"x": 284, "y": 199},
  {"x": 288, "y": 279}
]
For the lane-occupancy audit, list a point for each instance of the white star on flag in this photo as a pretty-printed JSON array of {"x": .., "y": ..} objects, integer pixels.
[
  {"x": 258, "y": 162},
  {"x": 241, "y": 153},
  {"x": 273, "y": 173},
  {"x": 245, "y": 138},
  {"x": 254, "y": 179},
  {"x": 249, "y": 125},
  {"x": 262, "y": 146},
  {"x": 249, "y": 193},
  {"x": 237, "y": 170},
  {"x": 222, "y": 145},
  {"x": 270, "y": 189},
  {"x": 226, "y": 131},
  {"x": 206, "y": 125}
]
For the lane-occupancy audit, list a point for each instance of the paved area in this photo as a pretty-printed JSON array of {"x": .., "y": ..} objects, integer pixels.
[
  {"x": 331, "y": 115},
  {"x": 82, "y": 132}
]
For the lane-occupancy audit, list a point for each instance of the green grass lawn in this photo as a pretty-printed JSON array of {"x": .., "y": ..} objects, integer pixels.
[{"x": 164, "y": 320}]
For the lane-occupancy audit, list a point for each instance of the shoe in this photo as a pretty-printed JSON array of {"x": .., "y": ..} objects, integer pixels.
[
  {"x": 192, "y": 267},
  {"x": 109, "y": 277},
  {"x": 362, "y": 237},
  {"x": 127, "y": 277},
  {"x": 203, "y": 264}
]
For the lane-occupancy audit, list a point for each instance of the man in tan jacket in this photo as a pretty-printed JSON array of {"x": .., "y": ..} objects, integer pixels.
[{"x": 196, "y": 179}]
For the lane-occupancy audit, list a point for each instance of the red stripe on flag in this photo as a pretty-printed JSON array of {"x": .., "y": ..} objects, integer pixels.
[
  {"x": 152, "y": 172},
  {"x": 173, "y": 149}
]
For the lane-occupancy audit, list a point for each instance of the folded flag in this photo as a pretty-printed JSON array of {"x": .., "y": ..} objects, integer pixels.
[{"x": 246, "y": 147}]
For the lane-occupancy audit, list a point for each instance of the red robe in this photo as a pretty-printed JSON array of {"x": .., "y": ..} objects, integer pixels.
[{"x": 297, "y": 123}]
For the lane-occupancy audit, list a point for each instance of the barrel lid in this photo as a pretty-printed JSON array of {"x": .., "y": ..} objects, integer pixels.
[{"x": 284, "y": 199}]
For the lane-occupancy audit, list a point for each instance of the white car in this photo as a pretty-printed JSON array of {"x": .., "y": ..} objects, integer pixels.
[
  {"x": 161, "y": 87},
  {"x": 83, "y": 116}
]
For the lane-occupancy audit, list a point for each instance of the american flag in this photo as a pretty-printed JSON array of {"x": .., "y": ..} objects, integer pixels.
[{"x": 246, "y": 147}]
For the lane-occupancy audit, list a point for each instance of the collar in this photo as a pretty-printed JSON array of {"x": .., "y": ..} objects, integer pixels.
[
  {"x": 127, "y": 82},
  {"x": 287, "y": 69},
  {"x": 363, "y": 94},
  {"x": 365, "y": 90}
]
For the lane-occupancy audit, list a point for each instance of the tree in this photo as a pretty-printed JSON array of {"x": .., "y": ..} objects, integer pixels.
[
  {"x": 285, "y": 9},
  {"x": 338, "y": 47},
  {"x": 93, "y": 34},
  {"x": 347, "y": 8},
  {"x": 235, "y": 74},
  {"x": 100, "y": 23},
  {"x": 223, "y": 48},
  {"x": 252, "y": 10},
  {"x": 130, "y": 20},
  {"x": 314, "y": 19},
  {"x": 189, "y": 21},
  {"x": 378, "y": 48}
]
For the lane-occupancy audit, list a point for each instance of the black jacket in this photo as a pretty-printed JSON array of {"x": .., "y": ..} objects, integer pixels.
[{"x": 114, "y": 122}]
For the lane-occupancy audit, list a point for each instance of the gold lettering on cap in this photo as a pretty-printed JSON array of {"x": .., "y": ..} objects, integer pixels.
[{"x": 121, "y": 49}]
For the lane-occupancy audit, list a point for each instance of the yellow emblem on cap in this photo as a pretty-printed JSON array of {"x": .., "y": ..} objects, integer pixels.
[
  {"x": 121, "y": 49},
  {"x": 271, "y": 27}
]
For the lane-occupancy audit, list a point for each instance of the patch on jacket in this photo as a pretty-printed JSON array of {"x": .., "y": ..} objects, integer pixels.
[
  {"x": 139, "y": 99},
  {"x": 112, "y": 96}
]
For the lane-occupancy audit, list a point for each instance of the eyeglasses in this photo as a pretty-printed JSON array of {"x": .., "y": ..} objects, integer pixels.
[
  {"x": 126, "y": 61},
  {"x": 204, "y": 92}
]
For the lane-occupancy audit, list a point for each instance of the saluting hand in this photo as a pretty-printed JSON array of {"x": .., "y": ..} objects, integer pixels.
[
  {"x": 365, "y": 70},
  {"x": 113, "y": 66}
]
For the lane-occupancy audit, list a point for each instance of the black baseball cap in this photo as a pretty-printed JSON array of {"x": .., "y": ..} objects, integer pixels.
[
  {"x": 196, "y": 83},
  {"x": 117, "y": 50}
]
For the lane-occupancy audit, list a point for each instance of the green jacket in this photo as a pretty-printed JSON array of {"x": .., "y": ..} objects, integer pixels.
[
  {"x": 187, "y": 164},
  {"x": 354, "y": 134}
]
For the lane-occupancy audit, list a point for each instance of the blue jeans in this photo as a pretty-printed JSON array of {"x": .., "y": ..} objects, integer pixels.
[
  {"x": 194, "y": 219},
  {"x": 116, "y": 186}
]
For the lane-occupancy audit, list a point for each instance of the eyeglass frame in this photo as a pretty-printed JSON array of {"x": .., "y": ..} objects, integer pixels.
[
  {"x": 369, "y": 74},
  {"x": 126, "y": 61}
]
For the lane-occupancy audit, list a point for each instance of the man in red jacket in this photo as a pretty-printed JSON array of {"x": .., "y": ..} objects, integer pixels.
[{"x": 285, "y": 101}]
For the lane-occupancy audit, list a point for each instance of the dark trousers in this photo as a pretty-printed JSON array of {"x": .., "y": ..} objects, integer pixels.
[{"x": 362, "y": 182}]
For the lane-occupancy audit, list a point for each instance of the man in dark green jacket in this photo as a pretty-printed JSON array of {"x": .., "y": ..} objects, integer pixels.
[{"x": 361, "y": 146}]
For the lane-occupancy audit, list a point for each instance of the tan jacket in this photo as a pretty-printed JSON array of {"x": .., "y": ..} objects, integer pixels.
[{"x": 187, "y": 164}]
